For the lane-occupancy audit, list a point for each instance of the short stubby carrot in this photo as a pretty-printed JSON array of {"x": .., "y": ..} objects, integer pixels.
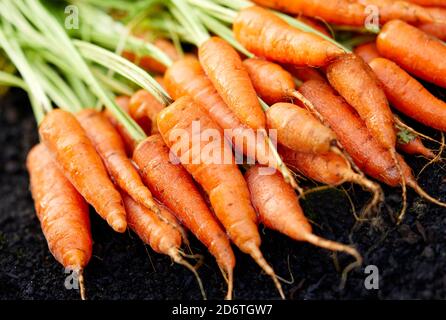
[
  {"x": 151, "y": 64},
  {"x": 438, "y": 27},
  {"x": 74, "y": 152},
  {"x": 278, "y": 208},
  {"x": 395, "y": 9},
  {"x": 111, "y": 148},
  {"x": 225, "y": 69},
  {"x": 415, "y": 147},
  {"x": 409, "y": 96},
  {"x": 268, "y": 36},
  {"x": 355, "y": 82},
  {"x": 212, "y": 165},
  {"x": 269, "y": 79},
  {"x": 367, "y": 51},
  {"x": 298, "y": 129},
  {"x": 186, "y": 77},
  {"x": 61, "y": 210},
  {"x": 342, "y": 12},
  {"x": 414, "y": 50},
  {"x": 173, "y": 186},
  {"x": 144, "y": 108}
]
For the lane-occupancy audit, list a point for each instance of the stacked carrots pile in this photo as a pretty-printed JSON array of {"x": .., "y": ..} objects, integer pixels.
[{"x": 294, "y": 100}]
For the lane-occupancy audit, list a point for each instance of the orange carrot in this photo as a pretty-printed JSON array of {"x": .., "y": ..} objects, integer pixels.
[
  {"x": 278, "y": 208},
  {"x": 224, "y": 67},
  {"x": 110, "y": 147},
  {"x": 62, "y": 212},
  {"x": 429, "y": 3},
  {"x": 150, "y": 64},
  {"x": 414, "y": 51},
  {"x": 220, "y": 178},
  {"x": 186, "y": 77},
  {"x": 315, "y": 24},
  {"x": 343, "y": 12},
  {"x": 160, "y": 236},
  {"x": 298, "y": 129},
  {"x": 268, "y": 36},
  {"x": 143, "y": 109},
  {"x": 409, "y": 96},
  {"x": 367, "y": 51},
  {"x": 173, "y": 186},
  {"x": 73, "y": 151},
  {"x": 395, "y": 9},
  {"x": 438, "y": 28},
  {"x": 416, "y": 147},
  {"x": 304, "y": 73}
]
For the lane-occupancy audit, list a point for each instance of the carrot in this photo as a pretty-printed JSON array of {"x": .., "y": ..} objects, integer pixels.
[
  {"x": 343, "y": 12},
  {"x": 366, "y": 151},
  {"x": 298, "y": 129},
  {"x": 403, "y": 10},
  {"x": 436, "y": 29},
  {"x": 173, "y": 186},
  {"x": 110, "y": 147},
  {"x": 62, "y": 212},
  {"x": 315, "y": 24},
  {"x": 143, "y": 109},
  {"x": 414, "y": 51},
  {"x": 355, "y": 81},
  {"x": 415, "y": 147},
  {"x": 73, "y": 151},
  {"x": 224, "y": 67},
  {"x": 129, "y": 142},
  {"x": 268, "y": 36},
  {"x": 160, "y": 236},
  {"x": 304, "y": 73},
  {"x": 429, "y": 3},
  {"x": 278, "y": 208},
  {"x": 186, "y": 77},
  {"x": 149, "y": 63},
  {"x": 367, "y": 51},
  {"x": 280, "y": 81},
  {"x": 409, "y": 96},
  {"x": 220, "y": 178}
]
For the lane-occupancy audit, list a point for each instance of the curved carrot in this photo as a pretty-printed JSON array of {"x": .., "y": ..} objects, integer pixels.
[
  {"x": 343, "y": 12},
  {"x": 73, "y": 151},
  {"x": 409, "y": 96},
  {"x": 143, "y": 109},
  {"x": 414, "y": 51},
  {"x": 219, "y": 177},
  {"x": 298, "y": 129},
  {"x": 367, "y": 51},
  {"x": 268, "y": 36},
  {"x": 110, "y": 147},
  {"x": 416, "y": 147},
  {"x": 395, "y": 9},
  {"x": 436, "y": 29},
  {"x": 278, "y": 208},
  {"x": 173, "y": 186},
  {"x": 269, "y": 79},
  {"x": 223, "y": 66},
  {"x": 62, "y": 212},
  {"x": 356, "y": 83}
]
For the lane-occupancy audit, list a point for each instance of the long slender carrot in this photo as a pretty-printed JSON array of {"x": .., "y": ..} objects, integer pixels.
[
  {"x": 160, "y": 236},
  {"x": 72, "y": 149},
  {"x": 225, "y": 69},
  {"x": 173, "y": 186},
  {"x": 436, "y": 29},
  {"x": 268, "y": 36},
  {"x": 367, "y": 152},
  {"x": 143, "y": 109},
  {"x": 413, "y": 50},
  {"x": 403, "y": 10},
  {"x": 62, "y": 212},
  {"x": 110, "y": 147},
  {"x": 367, "y": 51},
  {"x": 212, "y": 165},
  {"x": 298, "y": 129},
  {"x": 278, "y": 208},
  {"x": 409, "y": 96},
  {"x": 343, "y": 12}
]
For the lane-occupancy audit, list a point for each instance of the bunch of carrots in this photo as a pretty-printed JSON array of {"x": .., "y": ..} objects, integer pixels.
[{"x": 269, "y": 78}]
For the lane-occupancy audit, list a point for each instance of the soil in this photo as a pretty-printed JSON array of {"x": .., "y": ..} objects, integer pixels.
[{"x": 411, "y": 258}]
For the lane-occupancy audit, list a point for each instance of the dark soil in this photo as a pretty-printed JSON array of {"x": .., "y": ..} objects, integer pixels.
[{"x": 411, "y": 258}]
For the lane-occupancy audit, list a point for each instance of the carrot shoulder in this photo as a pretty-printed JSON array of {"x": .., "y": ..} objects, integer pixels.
[{"x": 74, "y": 152}]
